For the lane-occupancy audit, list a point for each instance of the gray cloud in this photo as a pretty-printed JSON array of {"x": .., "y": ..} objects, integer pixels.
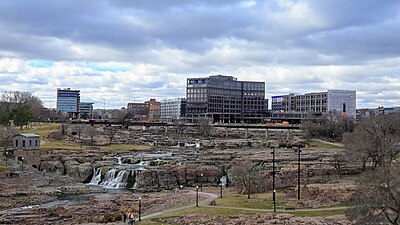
[{"x": 139, "y": 49}]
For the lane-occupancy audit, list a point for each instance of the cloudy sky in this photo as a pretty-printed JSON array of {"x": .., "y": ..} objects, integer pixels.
[{"x": 122, "y": 51}]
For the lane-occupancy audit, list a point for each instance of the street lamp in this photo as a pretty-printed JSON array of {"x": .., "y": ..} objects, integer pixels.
[
  {"x": 298, "y": 172},
  {"x": 22, "y": 164},
  {"x": 140, "y": 208},
  {"x": 273, "y": 178},
  {"x": 197, "y": 196},
  {"x": 201, "y": 182},
  {"x": 221, "y": 188}
]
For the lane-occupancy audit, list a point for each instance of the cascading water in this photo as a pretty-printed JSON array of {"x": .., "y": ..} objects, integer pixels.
[
  {"x": 116, "y": 180},
  {"x": 137, "y": 179},
  {"x": 119, "y": 160},
  {"x": 96, "y": 179}
]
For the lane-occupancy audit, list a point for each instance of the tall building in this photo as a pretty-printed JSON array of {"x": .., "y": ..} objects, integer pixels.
[
  {"x": 86, "y": 110},
  {"x": 341, "y": 101},
  {"x": 173, "y": 109},
  {"x": 68, "y": 101},
  {"x": 154, "y": 110},
  {"x": 225, "y": 99}
]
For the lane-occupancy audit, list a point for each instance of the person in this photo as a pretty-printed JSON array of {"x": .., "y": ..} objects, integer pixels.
[
  {"x": 131, "y": 221},
  {"x": 124, "y": 217}
]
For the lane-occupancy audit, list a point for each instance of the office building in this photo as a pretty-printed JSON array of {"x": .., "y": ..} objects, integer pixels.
[
  {"x": 138, "y": 111},
  {"x": 68, "y": 101},
  {"x": 86, "y": 110},
  {"x": 341, "y": 101},
  {"x": 224, "y": 99},
  {"x": 173, "y": 109},
  {"x": 154, "y": 110}
]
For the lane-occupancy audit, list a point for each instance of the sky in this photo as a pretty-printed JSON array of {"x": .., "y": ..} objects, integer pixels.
[{"x": 123, "y": 51}]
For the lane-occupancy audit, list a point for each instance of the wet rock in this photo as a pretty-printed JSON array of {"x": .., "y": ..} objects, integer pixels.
[{"x": 80, "y": 172}]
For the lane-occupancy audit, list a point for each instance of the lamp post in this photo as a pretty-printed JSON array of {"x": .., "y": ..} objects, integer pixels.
[
  {"x": 201, "y": 182},
  {"x": 22, "y": 164},
  {"x": 220, "y": 194},
  {"x": 197, "y": 196},
  {"x": 298, "y": 172},
  {"x": 140, "y": 208},
  {"x": 273, "y": 178}
]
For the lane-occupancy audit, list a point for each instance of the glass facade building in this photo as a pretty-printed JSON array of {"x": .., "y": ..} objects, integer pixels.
[{"x": 224, "y": 99}]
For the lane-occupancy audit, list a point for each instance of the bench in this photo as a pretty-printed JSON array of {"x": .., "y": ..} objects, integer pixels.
[
  {"x": 290, "y": 210},
  {"x": 213, "y": 202}
]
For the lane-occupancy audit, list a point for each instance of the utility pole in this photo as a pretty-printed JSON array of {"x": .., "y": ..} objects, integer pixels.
[
  {"x": 273, "y": 178},
  {"x": 298, "y": 173}
]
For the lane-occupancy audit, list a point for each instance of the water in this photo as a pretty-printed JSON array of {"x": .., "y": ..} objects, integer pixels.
[
  {"x": 116, "y": 180},
  {"x": 96, "y": 179}
]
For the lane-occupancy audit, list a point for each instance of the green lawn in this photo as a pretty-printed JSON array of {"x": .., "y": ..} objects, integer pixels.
[
  {"x": 257, "y": 201},
  {"x": 323, "y": 145}
]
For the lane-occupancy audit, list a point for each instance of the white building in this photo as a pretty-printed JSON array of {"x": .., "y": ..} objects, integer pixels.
[{"x": 173, "y": 109}]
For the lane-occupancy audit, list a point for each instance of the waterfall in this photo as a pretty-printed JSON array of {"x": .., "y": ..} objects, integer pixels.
[
  {"x": 116, "y": 180},
  {"x": 96, "y": 178},
  {"x": 119, "y": 160},
  {"x": 137, "y": 179}
]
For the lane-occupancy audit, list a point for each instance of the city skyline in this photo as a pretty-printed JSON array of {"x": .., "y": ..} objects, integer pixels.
[{"x": 131, "y": 51}]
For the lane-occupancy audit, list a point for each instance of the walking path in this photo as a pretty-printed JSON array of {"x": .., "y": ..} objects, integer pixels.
[{"x": 331, "y": 143}]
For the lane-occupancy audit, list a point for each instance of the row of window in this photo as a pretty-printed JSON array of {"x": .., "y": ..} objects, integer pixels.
[{"x": 24, "y": 143}]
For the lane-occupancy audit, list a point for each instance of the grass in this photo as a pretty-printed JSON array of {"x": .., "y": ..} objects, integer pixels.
[
  {"x": 323, "y": 145},
  {"x": 44, "y": 128},
  {"x": 4, "y": 168},
  {"x": 320, "y": 213},
  {"x": 257, "y": 201}
]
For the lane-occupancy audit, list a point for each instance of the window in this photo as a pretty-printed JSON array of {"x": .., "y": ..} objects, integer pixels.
[
  {"x": 36, "y": 143},
  {"x": 23, "y": 143},
  {"x": 30, "y": 143},
  {"x": 16, "y": 143}
]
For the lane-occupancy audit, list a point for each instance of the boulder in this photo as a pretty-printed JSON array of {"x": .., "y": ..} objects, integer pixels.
[{"x": 79, "y": 172}]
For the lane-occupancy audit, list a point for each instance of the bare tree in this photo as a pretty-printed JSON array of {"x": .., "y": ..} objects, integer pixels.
[
  {"x": 339, "y": 161},
  {"x": 375, "y": 140},
  {"x": 91, "y": 132},
  {"x": 377, "y": 200},
  {"x": 110, "y": 131},
  {"x": 6, "y": 135},
  {"x": 245, "y": 176},
  {"x": 179, "y": 125},
  {"x": 204, "y": 127}
]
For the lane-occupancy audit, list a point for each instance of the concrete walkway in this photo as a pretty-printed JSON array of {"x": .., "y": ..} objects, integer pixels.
[{"x": 330, "y": 143}]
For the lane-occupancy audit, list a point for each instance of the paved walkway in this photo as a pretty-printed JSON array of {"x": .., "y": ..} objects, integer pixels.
[{"x": 331, "y": 143}]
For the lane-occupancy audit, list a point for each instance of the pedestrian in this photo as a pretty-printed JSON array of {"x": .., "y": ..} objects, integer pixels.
[
  {"x": 131, "y": 221},
  {"x": 124, "y": 217}
]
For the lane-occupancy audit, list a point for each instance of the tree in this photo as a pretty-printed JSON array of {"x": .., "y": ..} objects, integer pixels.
[
  {"x": 6, "y": 135},
  {"x": 22, "y": 115},
  {"x": 13, "y": 99},
  {"x": 330, "y": 126},
  {"x": 375, "y": 140},
  {"x": 91, "y": 132},
  {"x": 245, "y": 176},
  {"x": 377, "y": 200},
  {"x": 110, "y": 131},
  {"x": 4, "y": 117},
  {"x": 204, "y": 127},
  {"x": 339, "y": 162}
]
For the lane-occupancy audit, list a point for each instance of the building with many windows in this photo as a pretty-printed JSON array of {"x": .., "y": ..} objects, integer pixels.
[
  {"x": 68, "y": 101},
  {"x": 138, "y": 111},
  {"x": 173, "y": 109},
  {"x": 86, "y": 110},
  {"x": 341, "y": 101},
  {"x": 224, "y": 99}
]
